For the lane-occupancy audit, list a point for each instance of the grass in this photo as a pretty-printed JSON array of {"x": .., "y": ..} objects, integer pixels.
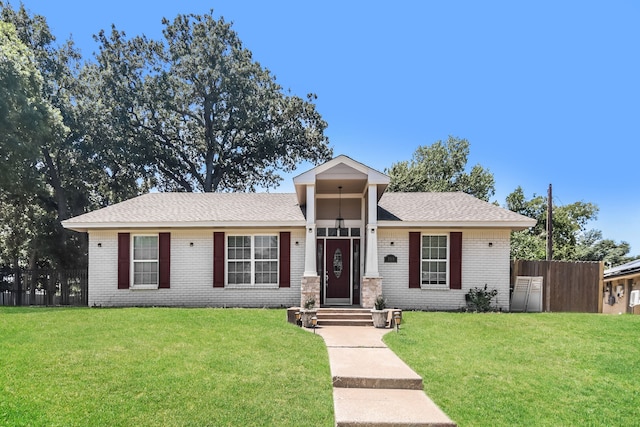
[
  {"x": 224, "y": 367},
  {"x": 155, "y": 366},
  {"x": 545, "y": 369}
]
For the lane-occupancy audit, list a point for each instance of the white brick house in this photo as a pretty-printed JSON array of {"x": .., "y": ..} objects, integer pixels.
[{"x": 340, "y": 239}]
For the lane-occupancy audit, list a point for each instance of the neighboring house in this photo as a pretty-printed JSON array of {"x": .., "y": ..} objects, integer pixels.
[
  {"x": 340, "y": 239},
  {"x": 622, "y": 289}
]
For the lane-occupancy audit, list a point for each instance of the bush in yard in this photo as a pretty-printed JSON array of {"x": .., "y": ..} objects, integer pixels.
[{"x": 479, "y": 299}]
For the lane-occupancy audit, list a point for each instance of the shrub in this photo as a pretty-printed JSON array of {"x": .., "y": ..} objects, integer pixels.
[{"x": 479, "y": 299}]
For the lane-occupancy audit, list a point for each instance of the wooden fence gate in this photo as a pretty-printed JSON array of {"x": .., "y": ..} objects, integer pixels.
[{"x": 567, "y": 286}]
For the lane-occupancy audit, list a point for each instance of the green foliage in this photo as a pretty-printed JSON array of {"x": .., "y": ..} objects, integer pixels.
[
  {"x": 28, "y": 122},
  {"x": 310, "y": 303},
  {"x": 440, "y": 167},
  {"x": 479, "y": 299},
  {"x": 591, "y": 246},
  {"x": 380, "y": 303},
  {"x": 170, "y": 367},
  {"x": 569, "y": 224},
  {"x": 199, "y": 111},
  {"x": 547, "y": 369},
  {"x": 191, "y": 112}
]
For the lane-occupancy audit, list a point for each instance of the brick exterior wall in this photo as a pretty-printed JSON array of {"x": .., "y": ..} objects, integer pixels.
[
  {"x": 481, "y": 264},
  {"x": 191, "y": 274}
]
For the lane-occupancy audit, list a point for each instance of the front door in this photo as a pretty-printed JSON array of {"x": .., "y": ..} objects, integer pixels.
[{"x": 338, "y": 272}]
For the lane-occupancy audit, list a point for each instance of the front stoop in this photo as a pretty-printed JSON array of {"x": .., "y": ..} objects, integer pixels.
[{"x": 344, "y": 317}]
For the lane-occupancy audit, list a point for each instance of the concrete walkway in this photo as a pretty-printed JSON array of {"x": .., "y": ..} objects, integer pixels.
[{"x": 371, "y": 385}]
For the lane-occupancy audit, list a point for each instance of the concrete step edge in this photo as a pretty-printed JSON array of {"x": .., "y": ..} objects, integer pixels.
[
  {"x": 345, "y": 323},
  {"x": 344, "y": 316},
  {"x": 379, "y": 383},
  {"x": 349, "y": 310}
]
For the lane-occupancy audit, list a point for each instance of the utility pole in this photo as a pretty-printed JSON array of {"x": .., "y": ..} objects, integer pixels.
[
  {"x": 549, "y": 249},
  {"x": 549, "y": 225}
]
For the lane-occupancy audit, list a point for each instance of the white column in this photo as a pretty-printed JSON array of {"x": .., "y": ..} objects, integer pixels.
[
  {"x": 371, "y": 264},
  {"x": 310, "y": 234}
]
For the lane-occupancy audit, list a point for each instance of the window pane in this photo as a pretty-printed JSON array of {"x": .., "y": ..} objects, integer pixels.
[
  {"x": 239, "y": 272},
  {"x": 321, "y": 232},
  {"x": 145, "y": 247},
  {"x": 266, "y": 272},
  {"x": 266, "y": 247},
  {"x": 145, "y": 273},
  {"x": 355, "y": 232}
]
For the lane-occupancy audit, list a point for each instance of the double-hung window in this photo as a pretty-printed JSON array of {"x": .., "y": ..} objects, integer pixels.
[
  {"x": 435, "y": 257},
  {"x": 145, "y": 261},
  {"x": 252, "y": 260}
]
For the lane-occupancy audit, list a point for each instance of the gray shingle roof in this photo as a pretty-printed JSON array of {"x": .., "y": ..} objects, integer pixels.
[
  {"x": 211, "y": 209},
  {"x": 444, "y": 207},
  {"x": 196, "y": 208}
]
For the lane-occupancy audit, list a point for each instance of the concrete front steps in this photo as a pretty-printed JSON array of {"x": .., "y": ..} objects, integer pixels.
[{"x": 344, "y": 317}]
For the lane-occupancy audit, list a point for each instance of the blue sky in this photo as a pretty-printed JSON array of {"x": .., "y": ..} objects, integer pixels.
[{"x": 546, "y": 92}]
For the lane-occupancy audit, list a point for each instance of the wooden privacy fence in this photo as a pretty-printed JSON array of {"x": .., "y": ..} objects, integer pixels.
[
  {"x": 567, "y": 286},
  {"x": 43, "y": 287}
]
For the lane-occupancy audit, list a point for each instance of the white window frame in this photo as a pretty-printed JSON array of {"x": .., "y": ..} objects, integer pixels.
[
  {"x": 447, "y": 260},
  {"x": 134, "y": 261},
  {"x": 252, "y": 262}
]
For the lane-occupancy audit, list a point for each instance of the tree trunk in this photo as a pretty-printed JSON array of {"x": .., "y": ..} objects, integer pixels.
[{"x": 58, "y": 191}]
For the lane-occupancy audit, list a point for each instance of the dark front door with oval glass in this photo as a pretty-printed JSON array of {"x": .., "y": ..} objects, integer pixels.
[{"x": 338, "y": 272}]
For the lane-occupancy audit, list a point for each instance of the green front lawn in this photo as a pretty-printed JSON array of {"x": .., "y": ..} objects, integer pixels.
[
  {"x": 178, "y": 367},
  {"x": 155, "y": 366},
  {"x": 556, "y": 369}
]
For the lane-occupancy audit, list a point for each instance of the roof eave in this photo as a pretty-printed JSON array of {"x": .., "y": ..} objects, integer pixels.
[
  {"x": 511, "y": 225},
  {"x": 626, "y": 274},
  {"x": 88, "y": 226}
]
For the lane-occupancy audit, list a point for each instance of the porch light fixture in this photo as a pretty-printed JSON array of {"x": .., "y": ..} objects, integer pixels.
[
  {"x": 397, "y": 318},
  {"x": 339, "y": 220},
  {"x": 298, "y": 316}
]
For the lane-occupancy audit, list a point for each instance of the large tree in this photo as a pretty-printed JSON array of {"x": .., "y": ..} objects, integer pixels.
[
  {"x": 441, "y": 167},
  {"x": 50, "y": 171},
  {"x": 199, "y": 111},
  {"x": 26, "y": 120},
  {"x": 592, "y": 246}
]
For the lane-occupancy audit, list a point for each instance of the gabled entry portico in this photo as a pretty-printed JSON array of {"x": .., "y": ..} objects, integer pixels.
[{"x": 341, "y": 258}]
